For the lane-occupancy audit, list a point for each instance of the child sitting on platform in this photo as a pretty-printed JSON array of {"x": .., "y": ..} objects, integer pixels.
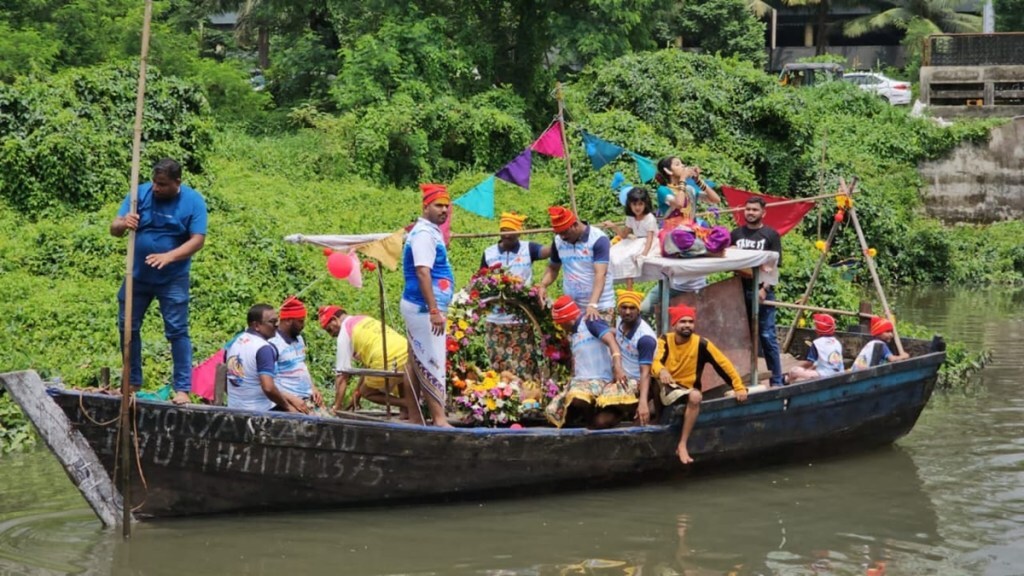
[
  {"x": 824, "y": 357},
  {"x": 637, "y": 237},
  {"x": 877, "y": 352}
]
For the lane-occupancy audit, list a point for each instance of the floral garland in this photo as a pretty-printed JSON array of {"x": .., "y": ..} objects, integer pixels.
[
  {"x": 501, "y": 399},
  {"x": 470, "y": 307}
]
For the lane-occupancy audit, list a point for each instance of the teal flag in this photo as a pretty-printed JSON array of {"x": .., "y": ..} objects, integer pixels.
[
  {"x": 645, "y": 166},
  {"x": 480, "y": 199},
  {"x": 601, "y": 152}
]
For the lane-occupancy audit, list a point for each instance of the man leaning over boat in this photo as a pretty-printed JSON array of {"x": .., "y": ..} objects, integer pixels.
[
  {"x": 251, "y": 361},
  {"x": 679, "y": 362}
]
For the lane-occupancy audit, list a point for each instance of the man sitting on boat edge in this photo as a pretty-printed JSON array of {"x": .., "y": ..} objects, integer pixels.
[
  {"x": 679, "y": 362},
  {"x": 598, "y": 393},
  {"x": 291, "y": 372},
  {"x": 251, "y": 361}
]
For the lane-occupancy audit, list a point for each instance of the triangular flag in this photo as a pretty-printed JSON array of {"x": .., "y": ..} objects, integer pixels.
[
  {"x": 781, "y": 218},
  {"x": 517, "y": 171},
  {"x": 388, "y": 251},
  {"x": 355, "y": 277},
  {"x": 692, "y": 183},
  {"x": 480, "y": 199},
  {"x": 600, "y": 151},
  {"x": 645, "y": 166},
  {"x": 550, "y": 142}
]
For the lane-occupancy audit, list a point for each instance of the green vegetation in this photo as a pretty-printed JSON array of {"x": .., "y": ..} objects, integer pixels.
[{"x": 362, "y": 107}]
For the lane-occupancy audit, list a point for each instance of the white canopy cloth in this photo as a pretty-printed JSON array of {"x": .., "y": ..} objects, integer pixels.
[
  {"x": 340, "y": 242},
  {"x": 734, "y": 259}
]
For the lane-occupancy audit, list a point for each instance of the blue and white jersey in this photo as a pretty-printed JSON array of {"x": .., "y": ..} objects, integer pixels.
[
  {"x": 292, "y": 373},
  {"x": 592, "y": 360},
  {"x": 578, "y": 261},
  {"x": 827, "y": 354},
  {"x": 637, "y": 348},
  {"x": 249, "y": 356},
  {"x": 424, "y": 246}
]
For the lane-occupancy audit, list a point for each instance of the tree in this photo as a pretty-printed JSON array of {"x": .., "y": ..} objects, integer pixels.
[
  {"x": 1009, "y": 15},
  {"x": 727, "y": 27},
  {"x": 935, "y": 15}
]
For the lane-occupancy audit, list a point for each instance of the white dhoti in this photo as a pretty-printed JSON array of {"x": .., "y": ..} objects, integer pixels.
[{"x": 427, "y": 352}]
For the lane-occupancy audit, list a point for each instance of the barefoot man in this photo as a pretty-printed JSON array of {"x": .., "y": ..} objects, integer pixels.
[
  {"x": 429, "y": 287},
  {"x": 679, "y": 362}
]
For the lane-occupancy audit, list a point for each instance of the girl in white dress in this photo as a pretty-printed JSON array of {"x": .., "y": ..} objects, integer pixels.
[{"x": 638, "y": 237}]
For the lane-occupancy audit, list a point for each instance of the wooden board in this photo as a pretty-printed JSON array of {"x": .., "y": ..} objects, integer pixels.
[{"x": 71, "y": 449}]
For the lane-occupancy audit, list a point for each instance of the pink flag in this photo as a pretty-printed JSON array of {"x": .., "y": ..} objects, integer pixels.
[
  {"x": 550, "y": 142},
  {"x": 203, "y": 376}
]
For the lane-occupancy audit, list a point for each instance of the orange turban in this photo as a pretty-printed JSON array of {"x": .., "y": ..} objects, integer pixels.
[
  {"x": 675, "y": 313},
  {"x": 292, "y": 308},
  {"x": 326, "y": 313},
  {"x": 629, "y": 297},
  {"x": 511, "y": 221},
  {"x": 435, "y": 193},
  {"x": 880, "y": 326},
  {"x": 824, "y": 324},
  {"x": 561, "y": 218},
  {"x": 565, "y": 310}
]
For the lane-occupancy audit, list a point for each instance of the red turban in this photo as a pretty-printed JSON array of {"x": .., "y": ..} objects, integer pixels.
[
  {"x": 328, "y": 312},
  {"x": 561, "y": 218},
  {"x": 880, "y": 326},
  {"x": 675, "y": 313},
  {"x": 292, "y": 308},
  {"x": 435, "y": 193},
  {"x": 565, "y": 310},
  {"x": 824, "y": 324}
]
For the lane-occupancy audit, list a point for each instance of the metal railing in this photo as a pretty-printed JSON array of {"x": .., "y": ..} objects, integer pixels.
[{"x": 1001, "y": 49}]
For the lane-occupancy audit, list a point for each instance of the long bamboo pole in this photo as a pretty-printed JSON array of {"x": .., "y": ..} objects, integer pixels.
[
  {"x": 874, "y": 276},
  {"x": 565, "y": 146},
  {"x": 806, "y": 308},
  {"x": 127, "y": 393},
  {"x": 810, "y": 285},
  {"x": 499, "y": 234},
  {"x": 384, "y": 339},
  {"x": 782, "y": 203}
]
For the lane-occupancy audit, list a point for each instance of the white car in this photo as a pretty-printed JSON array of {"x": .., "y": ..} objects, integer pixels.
[{"x": 895, "y": 91}]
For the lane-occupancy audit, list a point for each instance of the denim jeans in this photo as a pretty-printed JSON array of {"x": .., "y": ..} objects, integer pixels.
[
  {"x": 173, "y": 298},
  {"x": 768, "y": 338}
]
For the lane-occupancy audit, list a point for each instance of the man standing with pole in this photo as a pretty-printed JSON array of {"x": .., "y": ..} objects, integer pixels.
[{"x": 169, "y": 226}]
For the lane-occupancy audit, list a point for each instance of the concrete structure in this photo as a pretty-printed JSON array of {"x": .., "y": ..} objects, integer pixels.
[{"x": 980, "y": 184}]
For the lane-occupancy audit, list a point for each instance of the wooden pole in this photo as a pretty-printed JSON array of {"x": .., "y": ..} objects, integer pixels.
[
  {"x": 565, "y": 146},
  {"x": 810, "y": 286},
  {"x": 127, "y": 393},
  {"x": 806, "y": 308},
  {"x": 755, "y": 324},
  {"x": 384, "y": 339},
  {"x": 843, "y": 189},
  {"x": 499, "y": 234},
  {"x": 782, "y": 203},
  {"x": 874, "y": 276}
]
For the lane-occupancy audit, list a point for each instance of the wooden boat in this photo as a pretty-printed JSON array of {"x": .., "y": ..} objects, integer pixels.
[{"x": 209, "y": 459}]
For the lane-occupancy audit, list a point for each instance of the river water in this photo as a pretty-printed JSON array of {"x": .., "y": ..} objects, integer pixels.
[{"x": 947, "y": 499}]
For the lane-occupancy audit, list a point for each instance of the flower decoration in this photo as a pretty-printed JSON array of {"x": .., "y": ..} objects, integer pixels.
[{"x": 491, "y": 401}]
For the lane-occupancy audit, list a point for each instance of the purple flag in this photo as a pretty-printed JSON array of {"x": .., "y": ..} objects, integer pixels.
[{"x": 518, "y": 170}]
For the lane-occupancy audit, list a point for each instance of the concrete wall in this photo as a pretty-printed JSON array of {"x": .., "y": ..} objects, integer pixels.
[{"x": 979, "y": 183}]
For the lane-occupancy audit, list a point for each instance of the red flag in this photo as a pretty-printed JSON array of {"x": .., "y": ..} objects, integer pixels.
[{"x": 781, "y": 218}]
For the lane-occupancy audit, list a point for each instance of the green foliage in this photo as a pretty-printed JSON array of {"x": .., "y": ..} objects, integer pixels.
[
  {"x": 15, "y": 431},
  {"x": 25, "y": 52},
  {"x": 725, "y": 27},
  {"x": 64, "y": 142},
  {"x": 302, "y": 70},
  {"x": 1009, "y": 15},
  {"x": 824, "y": 59}
]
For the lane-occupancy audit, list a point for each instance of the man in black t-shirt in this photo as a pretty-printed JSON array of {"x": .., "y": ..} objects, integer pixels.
[{"x": 756, "y": 235}]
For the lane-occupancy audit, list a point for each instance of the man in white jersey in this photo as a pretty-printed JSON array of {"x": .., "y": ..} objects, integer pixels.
[
  {"x": 637, "y": 342},
  {"x": 584, "y": 252},
  {"x": 292, "y": 373},
  {"x": 251, "y": 361}
]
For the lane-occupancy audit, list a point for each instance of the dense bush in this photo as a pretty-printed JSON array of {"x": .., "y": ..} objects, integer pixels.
[{"x": 65, "y": 142}]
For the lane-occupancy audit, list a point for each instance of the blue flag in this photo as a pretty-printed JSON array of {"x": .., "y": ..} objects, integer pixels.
[
  {"x": 600, "y": 151},
  {"x": 645, "y": 166}
]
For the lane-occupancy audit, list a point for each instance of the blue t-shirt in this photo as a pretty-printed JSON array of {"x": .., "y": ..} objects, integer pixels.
[{"x": 164, "y": 226}]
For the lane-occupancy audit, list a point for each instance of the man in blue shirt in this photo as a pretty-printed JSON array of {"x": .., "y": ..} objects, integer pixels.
[{"x": 170, "y": 226}]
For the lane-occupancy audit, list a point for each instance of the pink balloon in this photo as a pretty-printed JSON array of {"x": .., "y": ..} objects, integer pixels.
[{"x": 340, "y": 265}]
